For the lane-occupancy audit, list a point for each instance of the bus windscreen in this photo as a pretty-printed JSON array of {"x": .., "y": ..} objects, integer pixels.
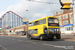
[{"x": 53, "y": 22}]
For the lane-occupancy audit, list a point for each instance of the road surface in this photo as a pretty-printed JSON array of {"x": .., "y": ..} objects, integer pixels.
[{"x": 22, "y": 43}]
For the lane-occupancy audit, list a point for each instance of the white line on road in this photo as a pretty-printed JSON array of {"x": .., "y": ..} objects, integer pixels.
[
  {"x": 31, "y": 42},
  {"x": 8, "y": 38},
  {"x": 48, "y": 44},
  {"x": 19, "y": 40},
  {"x": 3, "y": 47},
  {"x": 64, "y": 47},
  {"x": 28, "y": 41},
  {"x": 13, "y": 39}
]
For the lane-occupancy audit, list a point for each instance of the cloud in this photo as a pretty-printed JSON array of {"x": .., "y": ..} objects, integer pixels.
[
  {"x": 35, "y": 9},
  {"x": 40, "y": 15},
  {"x": 1, "y": 13}
]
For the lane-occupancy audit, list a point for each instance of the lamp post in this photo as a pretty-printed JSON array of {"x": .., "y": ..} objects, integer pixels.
[
  {"x": 24, "y": 20},
  {"x": 73, "y": 18},
  {"x": 6, "y": 26},
  {"x": 27, "y": 14},
  {"x": 65, "y": 4}
]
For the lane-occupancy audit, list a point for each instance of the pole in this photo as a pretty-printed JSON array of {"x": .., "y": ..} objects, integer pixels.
[
  {"x": 74, "y": 18},
  {"x": 27, "y": 14}
]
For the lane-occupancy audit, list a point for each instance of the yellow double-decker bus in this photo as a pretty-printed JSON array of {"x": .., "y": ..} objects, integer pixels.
[{"x": 44, "y": 28}]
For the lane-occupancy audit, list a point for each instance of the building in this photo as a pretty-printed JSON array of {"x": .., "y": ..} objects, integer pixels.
[
  {"x": 66, "y": 20},
  {"x": 11, "y": 19}
]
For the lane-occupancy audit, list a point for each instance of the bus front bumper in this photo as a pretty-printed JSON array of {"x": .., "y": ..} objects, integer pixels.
[{"x": 46, "y": 36}]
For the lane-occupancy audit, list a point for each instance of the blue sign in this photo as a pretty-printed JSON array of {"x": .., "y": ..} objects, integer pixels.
[
  {"x": 66, "y": 25},
  {"x": 24, "y": 22}
]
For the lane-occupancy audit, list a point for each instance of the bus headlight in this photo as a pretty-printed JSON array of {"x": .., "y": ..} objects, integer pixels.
[
  {"x": 45, "y": 30},
  {"x": 59, "y": 31}
]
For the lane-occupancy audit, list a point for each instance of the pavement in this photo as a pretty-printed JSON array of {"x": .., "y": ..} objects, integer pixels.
[
  {"x": 68, "y": 37},
  {"x": 19, "y": 43}
]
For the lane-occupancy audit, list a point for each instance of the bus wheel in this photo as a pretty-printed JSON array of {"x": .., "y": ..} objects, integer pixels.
[
  {"x": 59, "y": 37},
  {"x": 51, "y": 39},
  {"x": 41, "y": 37}
]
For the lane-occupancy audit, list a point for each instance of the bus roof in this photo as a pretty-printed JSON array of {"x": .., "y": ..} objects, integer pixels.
[{"x": 43, "y": 18}]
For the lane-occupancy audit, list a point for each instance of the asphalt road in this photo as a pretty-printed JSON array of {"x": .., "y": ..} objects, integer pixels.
[{"x": 22, "y": 43}]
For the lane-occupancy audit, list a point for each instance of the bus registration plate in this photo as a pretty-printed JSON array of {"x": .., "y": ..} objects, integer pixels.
[{"x": 54, "y": 36}]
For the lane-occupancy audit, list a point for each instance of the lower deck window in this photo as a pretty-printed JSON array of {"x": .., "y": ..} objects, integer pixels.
[{"x": 33, "y": 31}]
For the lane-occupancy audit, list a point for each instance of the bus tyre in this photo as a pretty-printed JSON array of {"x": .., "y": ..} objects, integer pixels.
[
  {"x": 41, "y": 38},
  {"x": 58, "y": 37},
  {"x": 51, "y": 39}
]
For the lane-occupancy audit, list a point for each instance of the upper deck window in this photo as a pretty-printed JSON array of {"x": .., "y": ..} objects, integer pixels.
[
  {"x": 44, "y": 21},
  {"x": 40, "y": 21},
  {"x": 32, "y": 23},
  {"x": 36, "y": 23}
]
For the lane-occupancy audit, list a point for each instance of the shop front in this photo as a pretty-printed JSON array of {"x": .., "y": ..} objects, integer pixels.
[{"x": 66, "y": 29}]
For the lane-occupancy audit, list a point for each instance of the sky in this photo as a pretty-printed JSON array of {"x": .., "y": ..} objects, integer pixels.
[{"x": 35, "y": 11}]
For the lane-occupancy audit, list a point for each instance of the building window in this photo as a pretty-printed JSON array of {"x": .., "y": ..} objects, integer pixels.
[
  {"x": 71, "y": 21},
  {"x": 67, "y": 16},
  {"x": 63, "y": 16},
  {"x": 60, "y": 22},
  {"x": 69, "y": 28},
  {"x": 60, "y": 17},
  {"x": 65, "y": 22},
  {"x": 70, "y": 15}
]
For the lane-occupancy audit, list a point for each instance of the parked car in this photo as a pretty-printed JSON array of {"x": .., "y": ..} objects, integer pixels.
[{"x": 23, "y": 34}]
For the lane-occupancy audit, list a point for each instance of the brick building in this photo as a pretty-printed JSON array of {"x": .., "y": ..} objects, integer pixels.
[
  {"x": 18, "y": 30},
  {"x": 65, "y": 20}
]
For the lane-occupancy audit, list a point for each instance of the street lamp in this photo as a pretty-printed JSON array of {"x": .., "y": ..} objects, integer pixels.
[
  {"x": 65, "y": 4},
  {"x": 24, "y": 20},
  {"x": 6, "y": 26}
]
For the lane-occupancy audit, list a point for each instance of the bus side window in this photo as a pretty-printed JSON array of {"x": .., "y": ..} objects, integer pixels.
[
  {"x": 30, "y": 24},
  {"x": 40, "y": 21},
  {"x": 32, "y": 32},
  {"x": 36, "y": 23},
  {"x": 44, "y": 21},
  {"x": 35, "y": 31}
]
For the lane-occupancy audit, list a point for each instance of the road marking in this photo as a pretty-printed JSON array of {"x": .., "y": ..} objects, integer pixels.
[
  {"x": 13, "y": 39},
  {"x": 19, "y": 40},
  {"x": 64, "y": 47},
  {"x": 31, "y": 42},
  {"x": 3, "y": 47},
  {"x": 34, "y": 42},
  {"x": 8, "y": 38},
  {"x": 48, "y": 44},
  {"x": 28, "y": 41}
]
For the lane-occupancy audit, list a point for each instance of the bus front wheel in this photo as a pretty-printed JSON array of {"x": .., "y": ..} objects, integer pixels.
[
  {"x": 58, "y": 37},
  {"x": 41, "y": 38}
]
